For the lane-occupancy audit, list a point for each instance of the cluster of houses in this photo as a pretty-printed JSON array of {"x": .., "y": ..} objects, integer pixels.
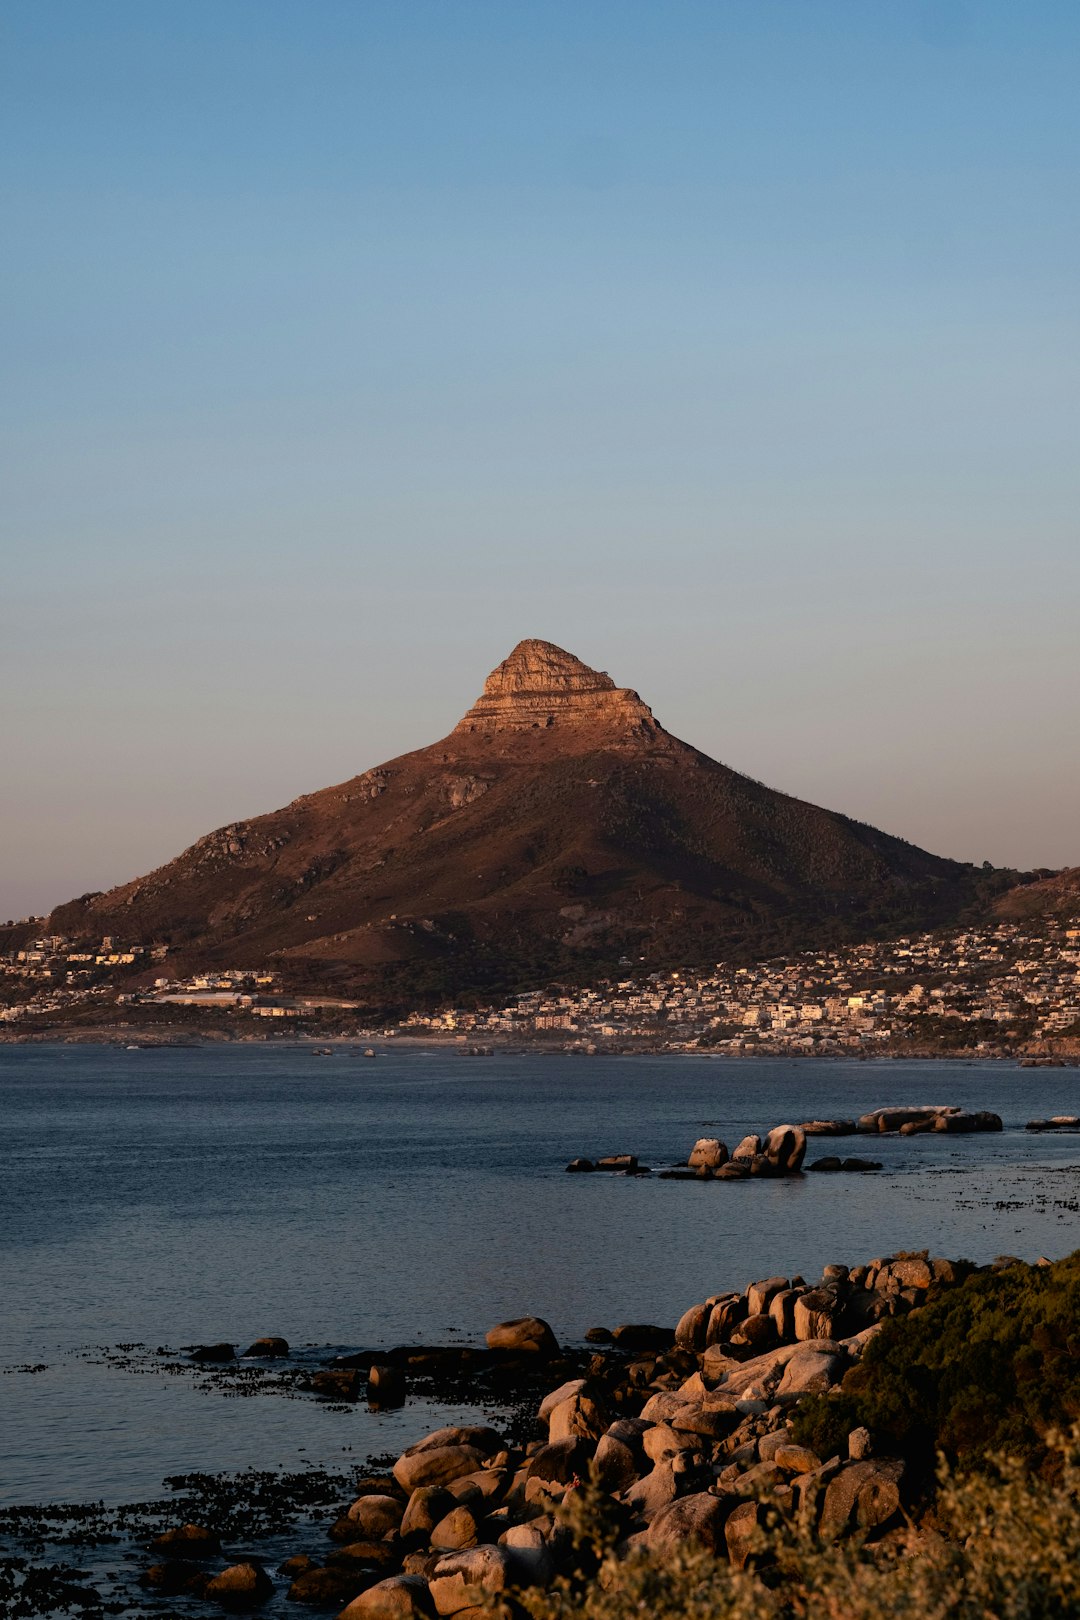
[
  {"x": 986, "y": 988},
  {"x": 53, "y": 974},
  {"x": 994, "y": 988}
]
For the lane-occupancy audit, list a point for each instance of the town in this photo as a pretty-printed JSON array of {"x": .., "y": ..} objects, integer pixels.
[
  {"x": 986, "y": 989},
  {"x": 1002, "y": 987}
]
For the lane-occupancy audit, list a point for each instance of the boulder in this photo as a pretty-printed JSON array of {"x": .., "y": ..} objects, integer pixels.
[
  {"x": 815, "y": 1314},
  {"x": 478, "y": 1435},
  {"x": 734, "y": 1170},
  {"x": 782, "y": 1311},
  {"x": 759, "y": 1480},
  {"x": 749, "y": 1148},
  {"x": 526, "y": 1335},
  {"x": 191, "y": 1541},
  {"x": 214, "y": 1352},
  {"x": 728, "y": 1310},
  {"x": 696, "y": 1520},
  {"x": 459, "y": 1528},
  {"x": 618, "y": 1161},
  {"x": 648, "y": 1495},
  {"x": 811, "y": 1371},
  {"x": 582, "y": 1416},
  {"x": 829, "y": 1127},
  {"x": 173, "y": 1577},
  {"x": 691, "y": 1327},
  {"x": 386, "y": 1385},
  {"x": 268, "y": 1349},
  {"x": 859, "y": 1445},
  {"x": 760, "y": 1294},
  {"x": 793, "y": 1459},
  {"x": 400, "y": 1597},
  {"x": 616, "y": 1464},
  {"x": 382, "y": 1556},
  {"x": 579, "y": 1166},
  {"x": 241, "y": 1586},
  {"x": 785, "y": 1148},
  {"x": 958, "y": 1122},
  {"x": 462, "y": 1580},
  {"x": 863, "y": 1496},
  {"x": 756, "y": 1333},
  {"x": 485, "y": 1487},
  {"x": 377, "y": 1516},
  {"x": 326, "y": 1588},
  {"x": 742, "y": 1530},
  {"x": 707, "y": 1153},
  {"x": 907, "y": 1271},
  {"x": 663, "y": 1441},
  {"x": 922, "y": 1127},
  {"x": 337, "y": 1384},
  {"x": 437, "y": 1466},
  {"x": 857, "y": 1165},
  {"x": 809, "y": 1489},
  {"x": 559, "y": 1461},
  {"x": 707, "y": 1422},
  {"x": 425, "y": 1507},
  {"x": 664, "y": 1406},
  {"x": 296, "y": 1565},
  {"x": 829, "y": 1165},
  {"x": 762, "y": 1374},
  {"x": 573, "y": 1386},
  {"x": 532, "y": 1558}
]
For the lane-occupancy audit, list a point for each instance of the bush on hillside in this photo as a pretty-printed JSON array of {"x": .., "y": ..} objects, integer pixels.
[
  {"x": 988, "y": 1367},
  {"x": 1007, "y": 1545}
]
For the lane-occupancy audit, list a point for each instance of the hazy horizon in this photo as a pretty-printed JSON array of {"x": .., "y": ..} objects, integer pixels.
[{"x": 731, "y": 346}]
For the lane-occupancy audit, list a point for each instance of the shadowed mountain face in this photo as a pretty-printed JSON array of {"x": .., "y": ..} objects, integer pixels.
[{"x": 556, "y": 831}]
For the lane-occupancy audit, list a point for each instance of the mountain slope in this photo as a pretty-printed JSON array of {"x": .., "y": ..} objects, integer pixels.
[{"x": 556, "y": 830}]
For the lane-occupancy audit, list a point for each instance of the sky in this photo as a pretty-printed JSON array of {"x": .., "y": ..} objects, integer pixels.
[{"x": 731, "y": 345}]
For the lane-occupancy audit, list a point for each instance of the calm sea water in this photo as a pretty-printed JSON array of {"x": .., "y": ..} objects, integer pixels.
[{"x": 176, "y": 1196}]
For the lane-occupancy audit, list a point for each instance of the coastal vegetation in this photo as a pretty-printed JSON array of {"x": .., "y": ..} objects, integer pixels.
[{"x": 1002, "y": 1543}]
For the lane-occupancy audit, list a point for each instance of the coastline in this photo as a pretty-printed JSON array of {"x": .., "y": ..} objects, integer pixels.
[{"x": 1064, "y": 1052}]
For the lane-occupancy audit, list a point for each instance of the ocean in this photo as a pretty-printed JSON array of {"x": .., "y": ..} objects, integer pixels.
[{"x": 165, "y": 1197}]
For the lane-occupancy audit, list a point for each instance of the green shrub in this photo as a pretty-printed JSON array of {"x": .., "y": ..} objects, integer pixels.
[
  {"x": 989, "y": 1366},
  {"x": 1006, "y": 1546}
]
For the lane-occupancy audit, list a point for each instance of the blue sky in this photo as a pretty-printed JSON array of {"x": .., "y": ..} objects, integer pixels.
[{"x": 732, "y": 345}]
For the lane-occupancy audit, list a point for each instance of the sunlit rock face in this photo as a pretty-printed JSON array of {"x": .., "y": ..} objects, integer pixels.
[{"x": 539, "y": 686}]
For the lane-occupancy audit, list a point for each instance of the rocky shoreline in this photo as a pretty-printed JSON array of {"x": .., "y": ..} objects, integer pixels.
[{"x": 687, "y": 1433}]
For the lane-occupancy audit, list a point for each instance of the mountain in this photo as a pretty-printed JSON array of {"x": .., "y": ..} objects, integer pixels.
[{"x": 557, "y": 831}]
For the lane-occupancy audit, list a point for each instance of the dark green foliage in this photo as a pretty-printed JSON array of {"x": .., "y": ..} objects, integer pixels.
[{"x": 989, "y": 1366}]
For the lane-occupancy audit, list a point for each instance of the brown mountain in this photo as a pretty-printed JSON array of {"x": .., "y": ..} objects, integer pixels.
[{"x": 557, "y": 830}]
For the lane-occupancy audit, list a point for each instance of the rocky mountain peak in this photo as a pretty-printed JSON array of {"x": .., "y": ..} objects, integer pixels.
[{"x": 540, "y": 686}]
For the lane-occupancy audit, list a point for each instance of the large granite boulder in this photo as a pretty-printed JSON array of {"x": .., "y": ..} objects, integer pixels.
[
  {"x": 691, "y": 1520},
  {"x": 785, "y": 1148},
  {"x": 863, "y": 1496},
  {"x": 241, "y": 1586},
  {"x": 464, "y": 1580},
  {"x": 708, "y": 1153},
  {"x": 376, "y": 1515},
  {"x": 526, "y": 1335},
  {"x": 400, "y": 1597},
  {"x": 439, "y": 1465}
]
